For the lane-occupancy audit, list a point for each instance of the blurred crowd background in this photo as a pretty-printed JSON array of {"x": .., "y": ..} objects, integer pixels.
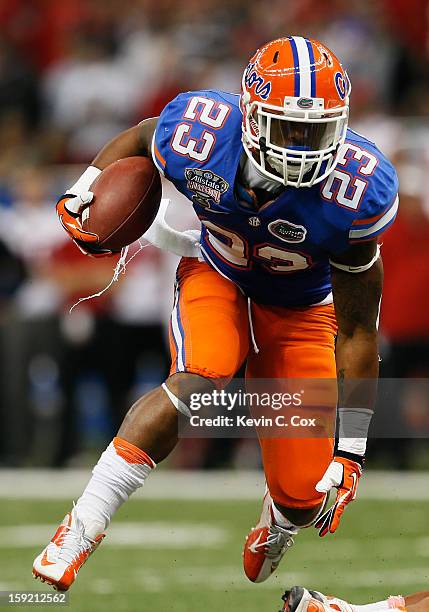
[{"x": 72, "y": 75}]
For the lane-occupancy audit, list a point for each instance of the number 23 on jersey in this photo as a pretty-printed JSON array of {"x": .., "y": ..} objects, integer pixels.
[{"x": 211, "y": 115}]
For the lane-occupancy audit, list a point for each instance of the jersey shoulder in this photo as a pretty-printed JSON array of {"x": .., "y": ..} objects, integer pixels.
[
  {"x": 370, "y": 187},
  {"x": 194, "y": 127}
]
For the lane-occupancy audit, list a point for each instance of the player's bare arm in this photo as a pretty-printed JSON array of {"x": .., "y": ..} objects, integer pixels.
[
  {"x": 357, "y": 300},
  {"x": 136, "y": 140},
  {"x": 357, "y": 281}
]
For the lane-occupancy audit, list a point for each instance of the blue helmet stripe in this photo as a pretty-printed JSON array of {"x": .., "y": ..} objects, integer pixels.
[
  {"x": 312, "y": 68},
  {"x": 296, "y": 67}
]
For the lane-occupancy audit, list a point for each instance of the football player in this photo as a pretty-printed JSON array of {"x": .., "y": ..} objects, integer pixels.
[
  {"x": 300, "y": 599},
  {"x": 288, "y": 279}
]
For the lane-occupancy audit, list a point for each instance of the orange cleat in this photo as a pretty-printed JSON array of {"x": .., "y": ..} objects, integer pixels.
[
  {"x": 265, "y": 545},
  {"x": 59, "y": 563}
]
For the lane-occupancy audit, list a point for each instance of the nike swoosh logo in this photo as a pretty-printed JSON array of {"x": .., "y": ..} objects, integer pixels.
[
  {"x": 71, "y": 225},
  {"x": 252, "y": 547},
  {"x": 45, "y": 561},
  {"x": 350, "y": 494}
]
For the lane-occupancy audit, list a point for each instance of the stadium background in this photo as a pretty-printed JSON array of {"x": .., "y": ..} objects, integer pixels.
[{"x": 73, "y": 74}]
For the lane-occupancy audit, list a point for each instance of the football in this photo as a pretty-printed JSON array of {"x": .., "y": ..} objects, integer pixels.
[{"x": 126, "y": 199}]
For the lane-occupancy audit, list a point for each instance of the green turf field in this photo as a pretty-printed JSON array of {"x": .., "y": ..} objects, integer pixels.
[{"x": 184, "y": 556}]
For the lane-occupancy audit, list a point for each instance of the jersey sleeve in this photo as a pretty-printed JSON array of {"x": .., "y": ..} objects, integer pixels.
[
  {"x": 168, "y": 119},
  {"x": 195, "y": 117},
  {"x": 199, "y": 132},
  {"x": 157, "y": 157},
  {"x": 379, "y": 206}
]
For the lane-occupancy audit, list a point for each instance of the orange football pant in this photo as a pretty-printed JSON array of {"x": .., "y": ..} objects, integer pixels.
[{"x": 209, "y": 336}]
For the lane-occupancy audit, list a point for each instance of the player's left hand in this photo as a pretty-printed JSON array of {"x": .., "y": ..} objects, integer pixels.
[{"x": 343, "y": 474}]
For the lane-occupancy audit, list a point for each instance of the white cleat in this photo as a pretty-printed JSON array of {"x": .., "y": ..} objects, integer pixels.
[
  {"x": 300, "y": 599},
  {"x": 265, "y": 545},
  {"x": 59, "y": 563}
]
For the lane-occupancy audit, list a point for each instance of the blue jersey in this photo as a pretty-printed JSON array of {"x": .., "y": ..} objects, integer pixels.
[{"x": 279, "y": 254}]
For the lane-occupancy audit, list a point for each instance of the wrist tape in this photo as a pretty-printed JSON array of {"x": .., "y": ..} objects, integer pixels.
[
  {"x": 353, "y": 429},
  {"x": 85, "y": 181}
]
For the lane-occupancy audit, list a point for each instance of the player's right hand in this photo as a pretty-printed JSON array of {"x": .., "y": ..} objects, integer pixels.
[{"x": 69, "y": 211}]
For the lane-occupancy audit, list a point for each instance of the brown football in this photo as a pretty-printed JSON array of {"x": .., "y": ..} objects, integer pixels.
[{"x": 126, "y": 199}]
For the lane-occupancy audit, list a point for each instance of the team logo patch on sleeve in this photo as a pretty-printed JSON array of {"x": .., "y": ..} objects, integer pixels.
[
  {"x": 287, "y": 231},
  {"x": 206, "y": 185}
]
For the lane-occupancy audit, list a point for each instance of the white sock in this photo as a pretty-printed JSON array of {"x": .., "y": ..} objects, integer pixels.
[
  {"x": 372, "y": 607},
  {"x": 115, "y": 477},
  {"x": 394, "y": 602},
  {"x": 281, "y": 520}
]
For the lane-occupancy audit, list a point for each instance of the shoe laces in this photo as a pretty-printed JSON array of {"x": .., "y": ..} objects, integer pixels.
[
  {"x": 279, "y": 539},
  {"x": 73, "y": 543}
]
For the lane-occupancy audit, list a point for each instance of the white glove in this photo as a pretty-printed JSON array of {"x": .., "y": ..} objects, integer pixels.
[
  {"x": 71, "y": 209},
  {"x": 79, "y": 194},
  {"x": 76, "y": 203},
  {"x": 342, "y": 473},
  {"x": 331, "y": 478}
]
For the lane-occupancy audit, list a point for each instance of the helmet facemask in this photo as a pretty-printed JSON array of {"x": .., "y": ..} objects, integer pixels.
[{"x": 297, "y": 144}]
